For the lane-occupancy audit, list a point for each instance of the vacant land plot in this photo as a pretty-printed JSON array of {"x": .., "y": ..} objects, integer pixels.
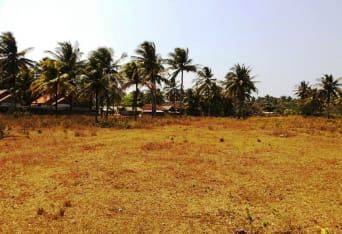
[{"x": 279, "y": 174}]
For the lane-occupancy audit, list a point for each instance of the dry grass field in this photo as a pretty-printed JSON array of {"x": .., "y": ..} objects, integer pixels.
[{"x": 191, "y": 175}]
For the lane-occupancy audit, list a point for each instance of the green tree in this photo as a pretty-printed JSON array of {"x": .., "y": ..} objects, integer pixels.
[
  {"x": 205, "y": 85},
  {"x": 330, "y": 90},
  {"x": 239, "y": 85},
  {"x": 101, "y": 77},
  {"x": 69, "y": 58},
  {"x": 179, "y": 62},
  {"x": 313, "y": 104},
  {"x": 11, "y": 60},
  {"x": 303, "y": 90},
  {"x": 132, "y": 75},
  {"x": 24, "y": 82},
  {"x": 152, "y": 69},
  {"x": 192, "y": 101},
  {"x": 172, "y": 91},
  {"x": 50, "y": 80},
  {"x": 158, "y": 95}
]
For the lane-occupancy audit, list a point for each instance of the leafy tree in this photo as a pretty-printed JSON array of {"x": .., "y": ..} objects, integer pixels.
[
  {"x": 132, "y": 75},
  {"x": 192, "y": 100},
  {"x": 330, "y": 90},
  {"x": 205, "y": 85},
  {"x": 101, "y": 77},
  {"x": 24, "y": 82},
  {"x": 303, "y": 90},
  {"x": 313, "y": 104},
  {"x": 172, "y": 91},
  {"x": 158, "y": 95},
  {"x": 50, "y": 80},
  {"x": 179, "y": 62},
  {"x": 69, "y": 58},
  {"x": 239, "y": 84},
  {"x": 152, "y": 68},
  {"x": 11, "y": 60}
]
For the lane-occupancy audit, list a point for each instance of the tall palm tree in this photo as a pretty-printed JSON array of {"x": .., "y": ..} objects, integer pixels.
[
  {"x": 69, "y": 57},
  {"x": 101, "y": 77},
  {"x": 239, "y": 84},
  {"x": 303, "y": 90},
  {"x": 330, "y": 89},
  {"x": 152, "y": 68},
  {"x": 179, "y": 61},
  {"x": 132, "y": 75},
  {"x": 11, "y": 61},
  {"x": 205, "y": 84},
  {"x": 51, "y": 81}
]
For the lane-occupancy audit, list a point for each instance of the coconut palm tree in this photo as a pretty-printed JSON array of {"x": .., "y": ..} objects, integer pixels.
[
  {"x": 132, "y": 75},
  {"x": 239, "y": 84},
  {"x": 205, "y": 84},
  {"x": 172, "y": 91},
  {"x": 11, "y": 60},
  {"x": 159, "y": 96},
  {"x": 192, "y": 100},
  {"x": 179, "y": 62},
  {"x": 69, "y": 57},
  {"x": 303, "y": 90},
  {"x": 101, "y": 77},
  {"x": 51, "y": 80},
  {"x": 24, "y": 81},
  {"x": 330, "y": 89},
  {"x": 152, "y": 69}
]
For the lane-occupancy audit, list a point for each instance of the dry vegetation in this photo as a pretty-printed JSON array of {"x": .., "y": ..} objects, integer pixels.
[{"x": 262, "y": 175}]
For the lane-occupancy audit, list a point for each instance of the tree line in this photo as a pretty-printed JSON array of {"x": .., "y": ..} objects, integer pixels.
[{"x": 103, "y": 81}]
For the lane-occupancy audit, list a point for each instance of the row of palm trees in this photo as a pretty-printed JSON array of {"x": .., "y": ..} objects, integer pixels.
[
  {"x": 314, "y": 99},
  {"x": 103, "y": 79}
]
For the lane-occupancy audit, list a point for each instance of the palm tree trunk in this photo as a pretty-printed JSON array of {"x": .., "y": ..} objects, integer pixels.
[
  {"x": 14, "y": 93},
  {"x": 108, "y": 106},
  {"x": 328, "y": 107},
  {"x": 182, "y": 94},
  {"x": 174, "y": 99},
  {"x": 154, "y": 99},
  {"x": 135, "y": 101},
  {"x": 56, "y": 98},
  {"x": 96, "y": 105},
  {"x": 154, "y": 102}
]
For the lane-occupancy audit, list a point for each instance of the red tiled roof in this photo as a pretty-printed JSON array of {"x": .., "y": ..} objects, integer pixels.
[{"x": 148, "y": 107}]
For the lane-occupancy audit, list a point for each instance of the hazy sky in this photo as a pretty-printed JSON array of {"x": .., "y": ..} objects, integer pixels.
[{"x": 283, "y": 41}]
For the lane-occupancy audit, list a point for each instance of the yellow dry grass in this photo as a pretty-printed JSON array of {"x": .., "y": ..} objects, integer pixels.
[{"x": 191, "y": 175}]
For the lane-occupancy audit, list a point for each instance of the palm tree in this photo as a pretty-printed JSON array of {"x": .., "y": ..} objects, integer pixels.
[
  {"x": 132, "y": 76},
  {"x": 192, "y": 100},
  {"x": 329, "y": 90},
  {"x": 151, "y": 65},
  {"x": 24, "y": 81},
  {"x": 205, "y": 84},
  {"x": 303, "y": 90},
  {"x": 239, "y": 84},
  {"x": 172, "y": 91},
  {"x": 11, "y": 61},
  {"x": 159, "y": 97},
  {"x": 69, "y": 57},
  {"x": 179, "y": 62},
  {"x": 101, "y": 77},
  {"x": 51, "y": 80}
]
